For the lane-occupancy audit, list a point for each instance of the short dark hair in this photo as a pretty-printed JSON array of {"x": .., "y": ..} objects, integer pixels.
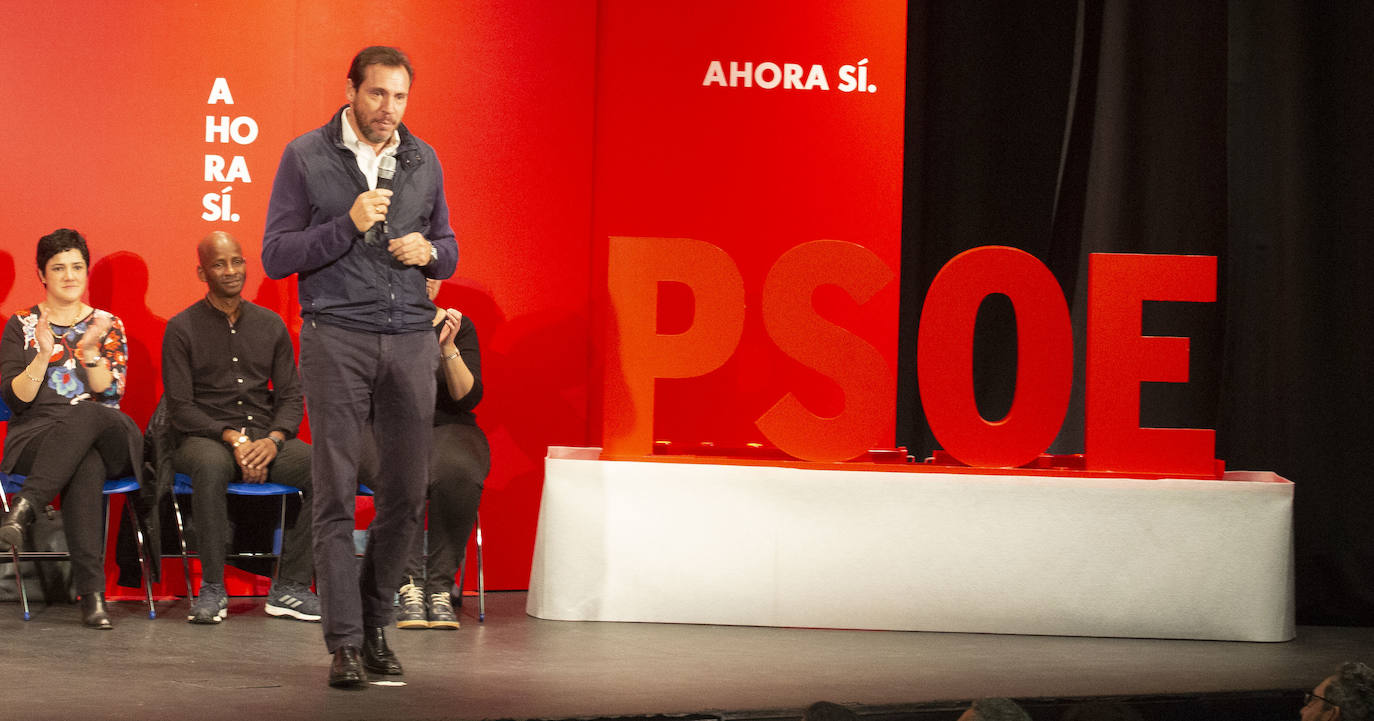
[
  {"x": 1352, "y": 689},
  {"x": 828, "y": 711},
  {"x": 378, "y": 55},
  {"x": 61, "y": 241}
]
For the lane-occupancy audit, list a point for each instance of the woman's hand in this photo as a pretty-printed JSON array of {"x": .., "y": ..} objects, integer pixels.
[
  {"x": 450, "y": 330},
  {"x": 42, "y": 336},
  {"x": 92, "y": 338},
  {"x": 451, "y": 323}
]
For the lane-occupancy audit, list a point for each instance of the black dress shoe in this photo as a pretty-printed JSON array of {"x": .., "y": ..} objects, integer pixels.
[
  {"x": 15, "y": 522},
  {"x": 346, "y": 671},
  {"x": 93, "y": 612},
  {"x": 377, "y": 657}
]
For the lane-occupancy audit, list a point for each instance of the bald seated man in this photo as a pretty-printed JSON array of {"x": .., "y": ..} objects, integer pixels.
[{"x": 235, "y": 404}]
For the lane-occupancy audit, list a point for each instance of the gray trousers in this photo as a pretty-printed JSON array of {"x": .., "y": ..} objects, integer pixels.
[
  {"x": 350, "y": 377},
  {"x": 211, "y": 466}
]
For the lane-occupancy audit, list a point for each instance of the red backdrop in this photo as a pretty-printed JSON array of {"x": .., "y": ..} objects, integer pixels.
[
  {"x": 531, "y": 106},
  {"x": 692, "y": 144}
]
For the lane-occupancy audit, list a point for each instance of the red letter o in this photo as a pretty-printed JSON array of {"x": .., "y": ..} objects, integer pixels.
[{"x": 1044, "y": 350}]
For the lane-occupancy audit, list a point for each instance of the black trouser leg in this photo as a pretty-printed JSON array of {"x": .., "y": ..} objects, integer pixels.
[
  {"x": 211, "y": 468},
  {"x": 49, "y": 462},
  {"x": 292, "y": 468},
  {"x": 74, "y": 458},
  {"x": 83, "y": 522}
]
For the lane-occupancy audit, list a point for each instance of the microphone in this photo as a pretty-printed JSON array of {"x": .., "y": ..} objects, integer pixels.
[{"x": 386, "y": 173}]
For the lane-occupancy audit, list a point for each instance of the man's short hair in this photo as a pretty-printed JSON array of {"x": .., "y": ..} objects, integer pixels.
[
  {"x": 377, "y": 55},
  {"x": 1352, "y": 689},
  {"x": 828, "y": 711},
  {"x": 61, "y": 241},
  {"x": 998, "y": 709}
]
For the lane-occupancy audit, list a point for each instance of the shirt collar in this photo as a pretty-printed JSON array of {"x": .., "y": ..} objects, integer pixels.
[{"x": 243, "y": 303}]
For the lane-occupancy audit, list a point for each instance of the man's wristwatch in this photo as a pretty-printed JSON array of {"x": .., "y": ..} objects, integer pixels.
[
  {"x": 433, "y": 253},
  {"x": 277, "y": 442}
]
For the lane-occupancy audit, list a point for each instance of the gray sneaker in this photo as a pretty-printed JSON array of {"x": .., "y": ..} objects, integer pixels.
[
  {"x": 293, "y": 600},
  {"x": 411, "y": 613},
  {"x": 441, "y": 613},
  {"x": 211, "y": 606}
]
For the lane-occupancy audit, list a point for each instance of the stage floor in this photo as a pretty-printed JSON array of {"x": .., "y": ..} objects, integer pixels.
[{"x": 514, "y": 666}]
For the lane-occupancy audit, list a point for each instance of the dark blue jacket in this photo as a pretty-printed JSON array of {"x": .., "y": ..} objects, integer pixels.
[{"x": 343, "y": 281}]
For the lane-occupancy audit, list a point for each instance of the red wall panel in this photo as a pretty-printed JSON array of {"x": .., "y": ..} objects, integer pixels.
[
  {"x": 536, "y": 109},
  {"x": 109, "y": 138},
  {"x": 755, "y": 171}
]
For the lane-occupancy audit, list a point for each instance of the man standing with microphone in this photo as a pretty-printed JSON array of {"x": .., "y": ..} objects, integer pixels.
[{"x": 367, "y": 346}]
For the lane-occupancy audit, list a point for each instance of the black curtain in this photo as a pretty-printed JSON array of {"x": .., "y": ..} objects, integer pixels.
[{"x": 1073, "y": 127}]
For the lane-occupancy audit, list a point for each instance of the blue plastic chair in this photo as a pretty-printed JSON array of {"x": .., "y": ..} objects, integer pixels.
[{"x": 181, "y": 486}]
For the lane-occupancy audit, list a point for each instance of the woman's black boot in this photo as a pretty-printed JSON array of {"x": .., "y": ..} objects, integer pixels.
[
  {"x": 15, "y": 523},
  {"x": 94, "y": 613}
]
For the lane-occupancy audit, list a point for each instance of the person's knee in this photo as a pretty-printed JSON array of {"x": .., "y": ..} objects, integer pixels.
[
  {"x": 90, "y": 471},
  {"x": 209, "y": 467},
  {"x": 459, "y": 464},
  {"x": 456, "y": 482},
  {"x": 210, "y": 478},
  {"x": 84, "y": 413},
  {"x": 291, "y": 467}
]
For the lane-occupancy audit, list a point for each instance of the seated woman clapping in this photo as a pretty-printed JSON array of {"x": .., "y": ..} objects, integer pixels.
[{"x": 62, "y": 367}]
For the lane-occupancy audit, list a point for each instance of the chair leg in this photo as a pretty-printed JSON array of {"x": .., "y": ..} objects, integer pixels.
[
  {"x": 181, "y": 539},
  {"x": 138, "y": 538},
  {"x": 143, "y": 563},
  {"x": 277, "y": 539},
  {"x": 19, "y": 582},
  {"x": 481, "y": 579},
  {"x": 462, "y": 577},
  {"x": 104, "y": 535}
]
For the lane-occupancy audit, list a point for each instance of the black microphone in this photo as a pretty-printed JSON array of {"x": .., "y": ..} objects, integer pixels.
[{"x": 386, "y": 172}]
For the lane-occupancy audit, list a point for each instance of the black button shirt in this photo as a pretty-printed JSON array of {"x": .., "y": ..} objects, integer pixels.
[
  {"x": 447, "y": 410},
  {"x": 241, "y": 376}
]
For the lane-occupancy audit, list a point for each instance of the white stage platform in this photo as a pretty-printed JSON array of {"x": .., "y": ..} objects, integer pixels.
[{"x": 916, "y": 551}]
